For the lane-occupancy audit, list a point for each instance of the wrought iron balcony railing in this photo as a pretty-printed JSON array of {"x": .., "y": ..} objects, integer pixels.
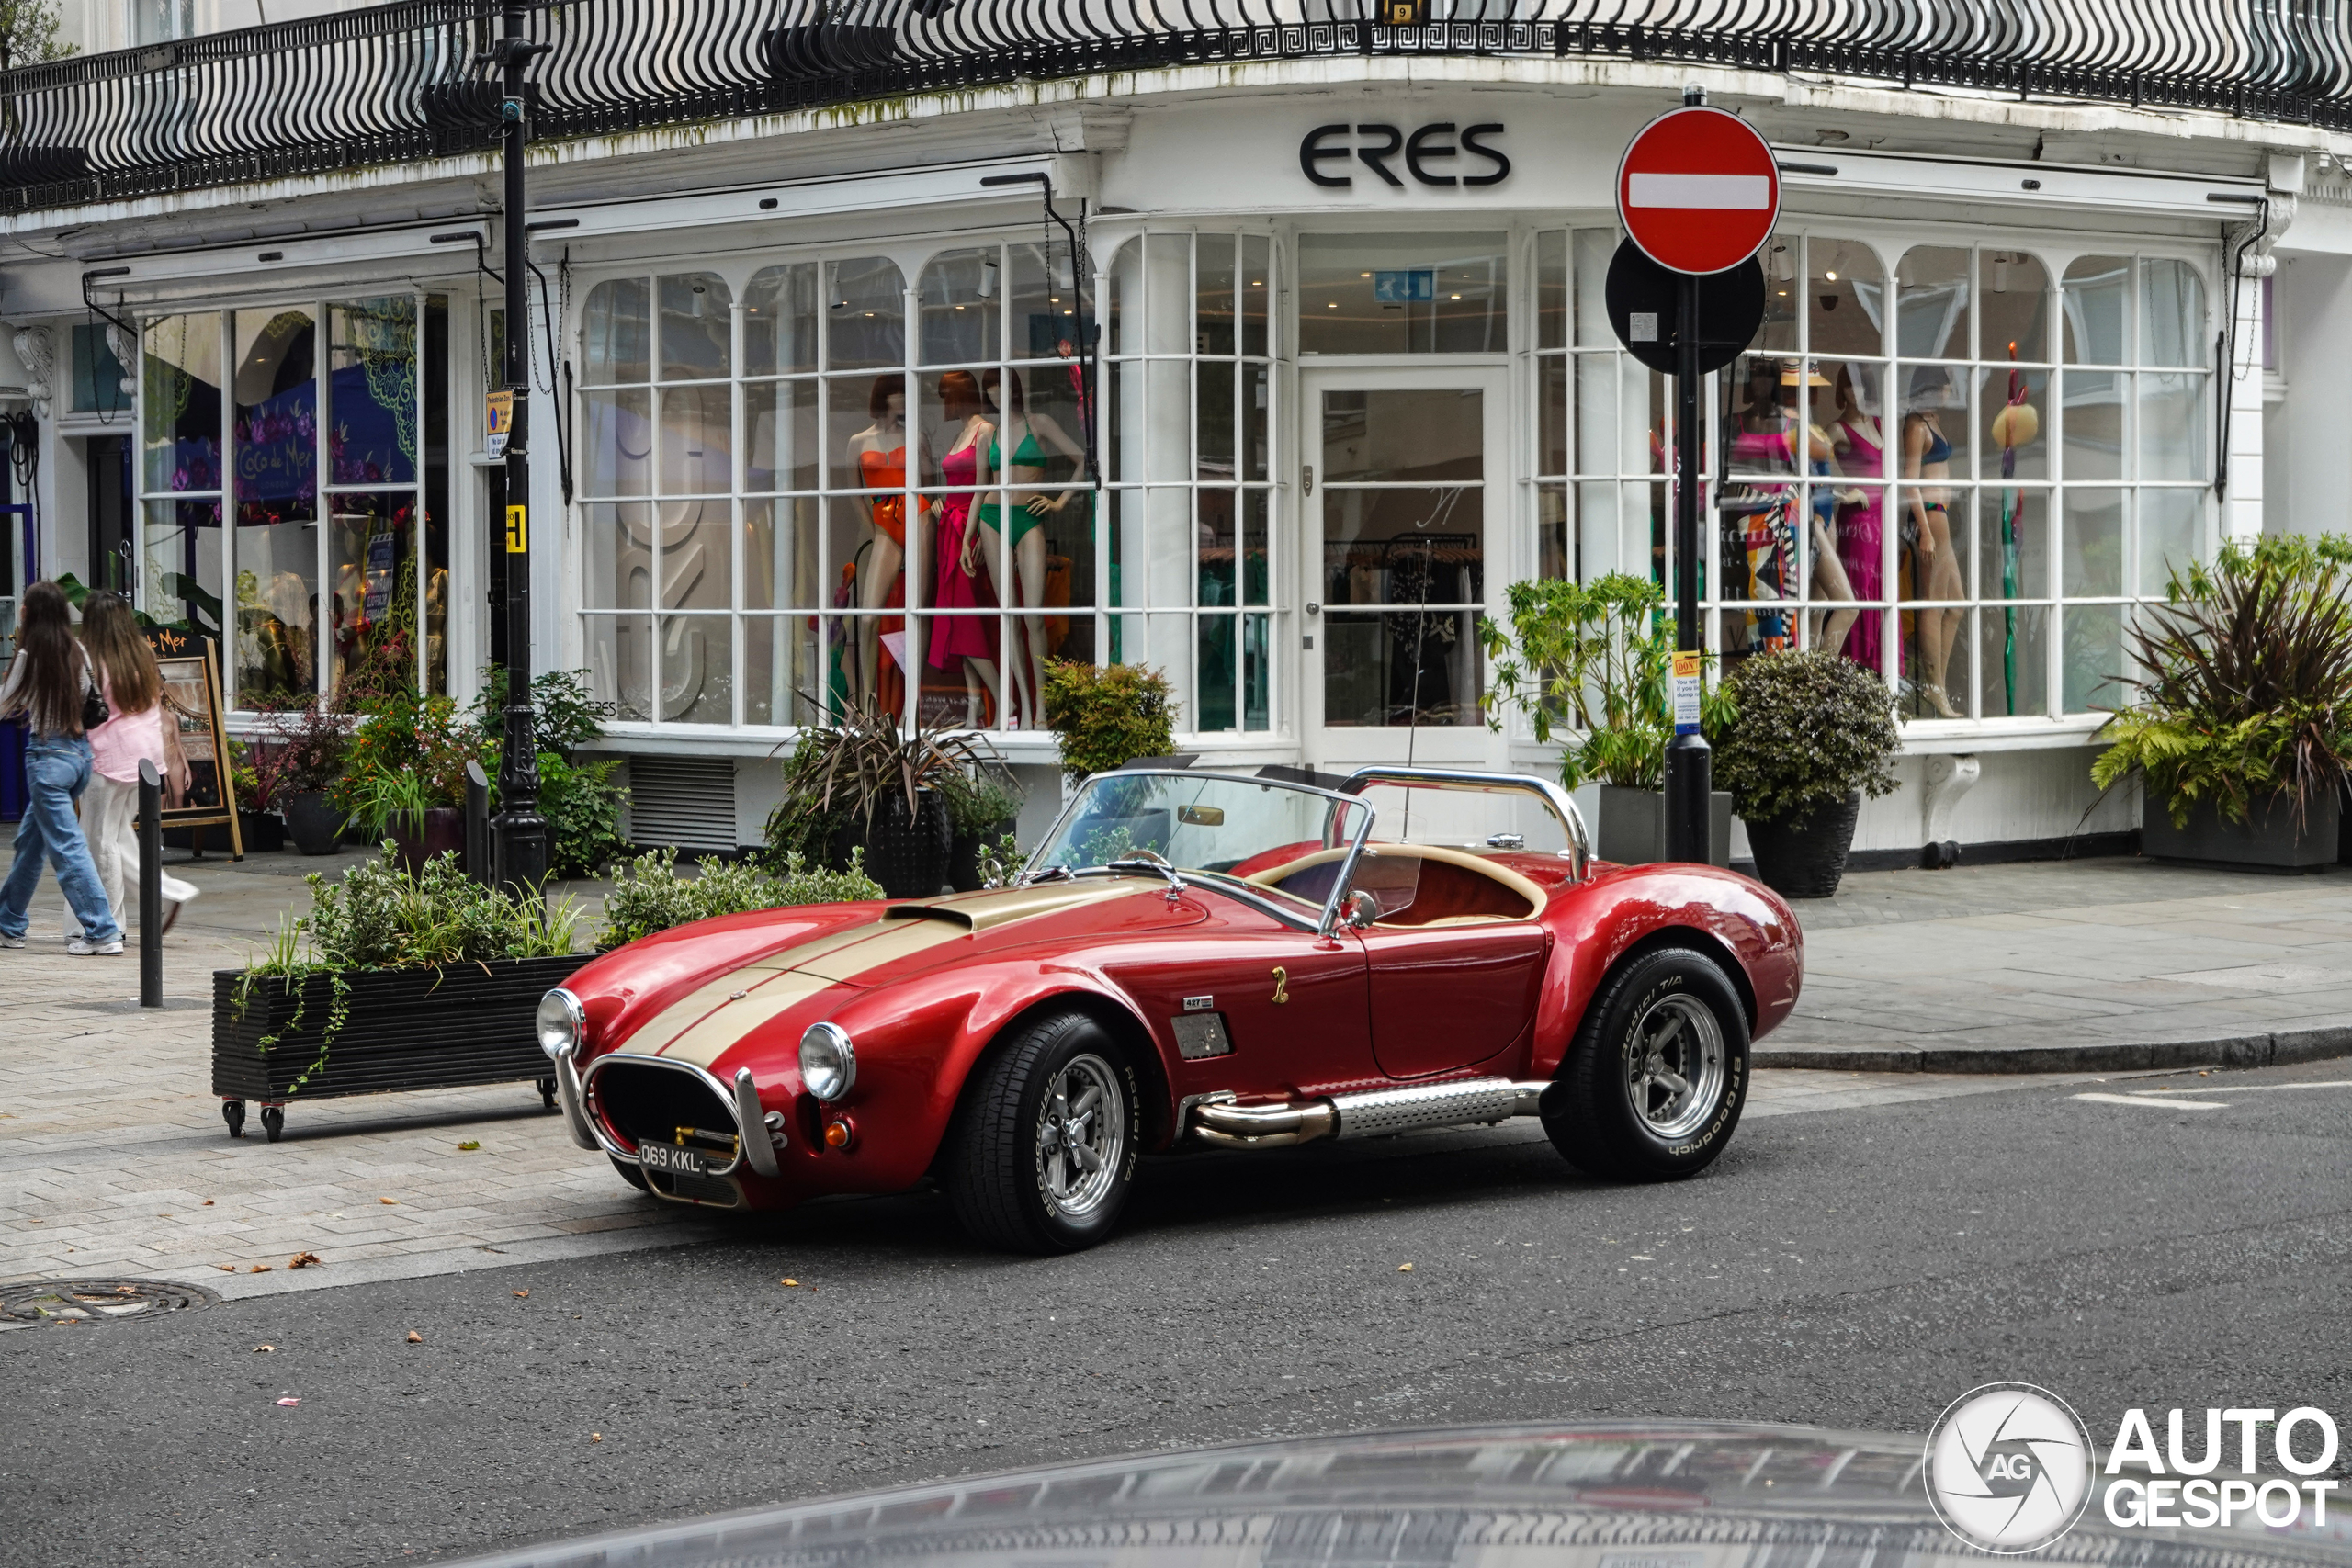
[{"x": 405, "y": 81}]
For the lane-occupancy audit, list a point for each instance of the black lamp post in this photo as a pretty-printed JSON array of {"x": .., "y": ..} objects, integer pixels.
[{"x": 518, "y": 833}]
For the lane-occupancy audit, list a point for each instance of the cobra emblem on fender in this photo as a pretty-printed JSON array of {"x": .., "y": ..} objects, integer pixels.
[{"x": 1281, "y": 985}]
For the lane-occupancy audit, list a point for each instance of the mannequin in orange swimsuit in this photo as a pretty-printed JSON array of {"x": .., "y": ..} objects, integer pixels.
[{"x": 879, "y": 452}]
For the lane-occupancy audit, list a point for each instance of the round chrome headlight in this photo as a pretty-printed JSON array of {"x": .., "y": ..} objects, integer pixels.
[
  {"x": 828, "y": 1061},
  {"x": 562, "y": 1023}
]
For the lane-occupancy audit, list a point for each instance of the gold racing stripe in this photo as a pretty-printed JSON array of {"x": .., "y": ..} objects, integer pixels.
[
  {"x": 897, "y": 939},
  {"x": 725, "y": 1028},
  {"x": 706, "y": 1022}
]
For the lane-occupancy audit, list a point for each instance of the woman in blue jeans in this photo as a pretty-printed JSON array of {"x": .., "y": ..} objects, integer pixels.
[{"x": 46, "y": 686}]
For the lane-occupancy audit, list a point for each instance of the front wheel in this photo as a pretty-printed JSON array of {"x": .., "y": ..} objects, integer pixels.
[
  {"x": 1658, "y": 1074},
  {"x": 1046, "y": 1138}
]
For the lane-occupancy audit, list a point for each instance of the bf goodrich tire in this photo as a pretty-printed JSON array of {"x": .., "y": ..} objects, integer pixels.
[
  {"x": 1657, "y": 1079},
  {"x": 1046, "y": 1141}
]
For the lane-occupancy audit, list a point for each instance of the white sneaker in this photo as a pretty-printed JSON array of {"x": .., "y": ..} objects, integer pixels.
[
  {"x": 12, "y": 942},
  {"x": 82, "y": 948}
]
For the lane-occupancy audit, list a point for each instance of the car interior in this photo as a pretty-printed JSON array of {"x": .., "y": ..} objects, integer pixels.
[{"x": 1415, "y": 884}]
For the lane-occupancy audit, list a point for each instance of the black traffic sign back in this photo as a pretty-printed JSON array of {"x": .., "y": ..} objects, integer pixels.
[{"x": 1644, "y": 301}]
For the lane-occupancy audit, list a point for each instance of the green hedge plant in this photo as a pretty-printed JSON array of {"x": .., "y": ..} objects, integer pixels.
[
  {"x": 649, "y": 895},
  {"x": 1811, "y": 729}
]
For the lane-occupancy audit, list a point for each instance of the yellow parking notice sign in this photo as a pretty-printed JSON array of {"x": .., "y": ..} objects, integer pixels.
[{"x": 519, "y": 530}]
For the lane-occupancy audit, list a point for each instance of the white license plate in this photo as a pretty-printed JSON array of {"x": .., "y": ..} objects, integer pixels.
[{"x": 670, "y": 1160}]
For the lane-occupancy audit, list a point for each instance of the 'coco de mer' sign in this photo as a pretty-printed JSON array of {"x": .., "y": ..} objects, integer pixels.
[{"x": 1441, "y": 153}]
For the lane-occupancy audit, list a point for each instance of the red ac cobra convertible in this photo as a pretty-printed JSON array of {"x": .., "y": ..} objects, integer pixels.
[{"x": 1189, "y": 959}]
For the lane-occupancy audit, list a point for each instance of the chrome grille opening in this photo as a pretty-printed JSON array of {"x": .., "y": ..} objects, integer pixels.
[{"x": 642, "y": 1101}]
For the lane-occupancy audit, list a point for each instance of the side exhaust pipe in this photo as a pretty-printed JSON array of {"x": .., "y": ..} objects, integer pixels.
[{"x": 1378, "y": 1113}]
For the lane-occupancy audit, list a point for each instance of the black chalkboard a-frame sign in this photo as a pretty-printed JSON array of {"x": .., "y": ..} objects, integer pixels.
[{"x": 193, "y": 734}]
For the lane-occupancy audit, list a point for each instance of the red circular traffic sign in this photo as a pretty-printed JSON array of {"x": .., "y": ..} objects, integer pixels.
[{"x": 1697, "y": 190}]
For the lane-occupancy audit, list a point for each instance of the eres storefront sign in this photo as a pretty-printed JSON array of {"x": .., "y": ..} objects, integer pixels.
[{"x": 1441, "y": 153}]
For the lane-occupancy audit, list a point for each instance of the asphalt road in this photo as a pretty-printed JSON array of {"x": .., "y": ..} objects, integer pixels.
[{"x": 1850, "y": 1268}]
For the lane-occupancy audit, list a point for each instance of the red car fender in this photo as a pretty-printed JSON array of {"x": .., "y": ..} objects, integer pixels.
[
  {"x": 1599, "y": 921},
  {"x": 917, "y": 1041}
]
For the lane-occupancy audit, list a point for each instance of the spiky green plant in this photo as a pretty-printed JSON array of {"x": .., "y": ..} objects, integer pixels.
[{"x": 2245, "y": 687}]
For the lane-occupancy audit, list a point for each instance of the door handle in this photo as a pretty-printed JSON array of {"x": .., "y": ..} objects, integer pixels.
[{"x": 1306, "y": 479}]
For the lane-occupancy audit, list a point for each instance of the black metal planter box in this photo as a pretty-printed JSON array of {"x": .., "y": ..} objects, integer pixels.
[
  {"x": 2271, "y": 839},
  {"x": 402, "y": 1029}
]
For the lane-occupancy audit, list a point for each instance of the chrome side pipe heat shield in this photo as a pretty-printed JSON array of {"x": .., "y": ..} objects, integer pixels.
[{"x": 1463, "y": 1102}]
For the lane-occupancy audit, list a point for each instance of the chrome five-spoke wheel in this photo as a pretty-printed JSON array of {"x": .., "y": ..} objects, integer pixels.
[
  {"x": 1044, "y": 1149},
  {"x": 1082, "y": 1136},
  {"x": 1676, "y": 1066},
  {"x": 1655, "y": 1081}
]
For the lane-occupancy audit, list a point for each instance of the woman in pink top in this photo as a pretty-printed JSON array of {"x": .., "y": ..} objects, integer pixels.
[{"x": 133, "y": 685}]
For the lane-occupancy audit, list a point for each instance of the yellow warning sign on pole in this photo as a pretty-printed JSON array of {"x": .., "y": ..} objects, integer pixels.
[{"x": 519, "y": 530}]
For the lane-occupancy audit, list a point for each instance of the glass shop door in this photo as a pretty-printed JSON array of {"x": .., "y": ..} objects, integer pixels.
[{"x": 1405, "y": 495}]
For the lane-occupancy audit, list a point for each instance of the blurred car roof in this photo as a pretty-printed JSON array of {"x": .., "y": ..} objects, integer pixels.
[{"x": 1643, "y": 1494}]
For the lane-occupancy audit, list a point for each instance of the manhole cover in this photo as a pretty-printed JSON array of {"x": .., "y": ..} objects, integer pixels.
[{"x": 97, "y": 1300}]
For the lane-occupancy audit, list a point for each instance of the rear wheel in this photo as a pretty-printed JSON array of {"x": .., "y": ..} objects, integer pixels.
[
  {"x": 1045, "y": 1142},
  {"x": 1659, "y": 1075}
]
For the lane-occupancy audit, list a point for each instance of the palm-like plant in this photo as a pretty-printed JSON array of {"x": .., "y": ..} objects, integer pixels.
[
  {"x": 847, "y": 768},
  {"x": 2245, "y": 690}
]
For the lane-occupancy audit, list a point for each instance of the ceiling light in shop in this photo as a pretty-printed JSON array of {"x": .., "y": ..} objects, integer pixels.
[{"x": 1363, "y": 274}]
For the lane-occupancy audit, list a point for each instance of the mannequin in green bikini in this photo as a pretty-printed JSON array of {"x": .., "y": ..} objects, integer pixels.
[{"x": 1034, "y": 438}]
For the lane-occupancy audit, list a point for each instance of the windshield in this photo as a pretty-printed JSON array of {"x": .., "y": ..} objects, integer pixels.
[{"x": 1199, "y": 823}]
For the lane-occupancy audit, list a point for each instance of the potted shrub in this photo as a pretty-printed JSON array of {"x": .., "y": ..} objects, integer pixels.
[
  {"x": 1811, "y": 733},
  {"x": 983, "y": 808},
  {"x": 1596, "y": 659},
  {"x": 393, "y": 980},
  {"x": 1105, "y": 718},
  {"x": 863, "y": 785},
  {"x": 256, "y": 772},
  {"x": 2239, "y": 734},
  {"x": 405, "y": 777},
  {"x": 307, "y": 748},
  {"x": 649, "y": 895},
  {"x": 577, "y": 796}
]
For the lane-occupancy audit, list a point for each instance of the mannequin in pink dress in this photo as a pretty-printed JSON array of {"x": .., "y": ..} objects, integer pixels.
[
  {"x": 957, "y": 584},
  {"x": 1860, "y": 522}
]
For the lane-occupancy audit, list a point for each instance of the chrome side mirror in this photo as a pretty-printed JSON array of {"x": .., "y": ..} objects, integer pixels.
[{"x": 1362, "y": 910}]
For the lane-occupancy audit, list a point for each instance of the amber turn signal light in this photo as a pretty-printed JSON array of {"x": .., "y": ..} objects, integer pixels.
[{"x": 838, "y": 1135}]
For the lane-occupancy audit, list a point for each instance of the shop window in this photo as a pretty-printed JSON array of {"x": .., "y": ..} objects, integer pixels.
[
  {"x": 1190, "y": 464},
  {"x": 1437, "y": 293},
  {"x": 1959, "y": 469},
  {"x": 778, "y": 504},
  {"x": 1602, "y": 433},
  {"x": 2056, "y": 431},
  {"x": 359, "y": 445}
]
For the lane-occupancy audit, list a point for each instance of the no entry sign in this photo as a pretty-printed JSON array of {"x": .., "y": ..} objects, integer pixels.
[{"x": 1697, "y": 190}]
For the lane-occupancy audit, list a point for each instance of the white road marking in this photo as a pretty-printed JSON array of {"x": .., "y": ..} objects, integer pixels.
[
  {"x": 2262, "y": 1088},
  {"x": 2155, "y": 1100},
  {"x": 1733, "y": 193}
]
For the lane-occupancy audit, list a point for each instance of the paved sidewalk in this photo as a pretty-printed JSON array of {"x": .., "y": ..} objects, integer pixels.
[
  {"x": 2072, "y": 966},
  {"x": 114, "y": 1161}
]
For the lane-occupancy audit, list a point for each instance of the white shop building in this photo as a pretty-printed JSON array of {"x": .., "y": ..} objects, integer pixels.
[{"x": 1352, "y": 379}]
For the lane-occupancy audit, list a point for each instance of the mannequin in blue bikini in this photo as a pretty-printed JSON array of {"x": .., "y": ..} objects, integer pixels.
[{"x": 1035, "y": 439}]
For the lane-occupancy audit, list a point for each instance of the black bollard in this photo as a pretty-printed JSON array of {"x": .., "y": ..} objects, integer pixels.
[
  {"x": 477, "y": 823},
  {"x": 150, "y": 886}
]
